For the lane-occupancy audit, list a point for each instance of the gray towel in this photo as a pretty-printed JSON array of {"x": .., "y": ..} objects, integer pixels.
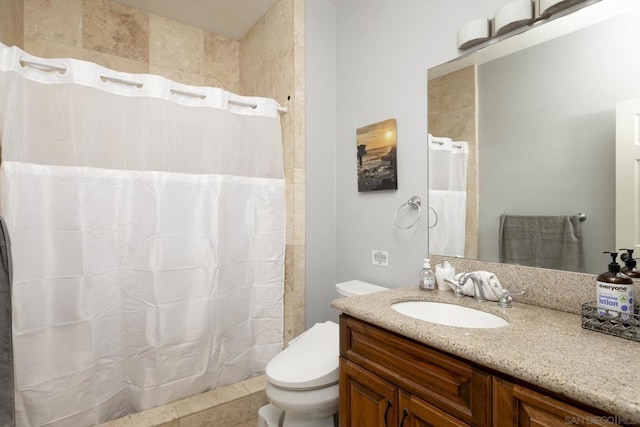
[
  {"x": 7, "y": 408},
  {"x": 542, "y": 241}
]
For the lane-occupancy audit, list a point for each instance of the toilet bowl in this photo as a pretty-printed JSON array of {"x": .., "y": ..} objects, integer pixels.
[{"x": 302, "y": 380}]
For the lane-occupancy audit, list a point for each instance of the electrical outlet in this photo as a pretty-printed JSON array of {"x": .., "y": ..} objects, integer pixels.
[{"x": 380, "y": 258}]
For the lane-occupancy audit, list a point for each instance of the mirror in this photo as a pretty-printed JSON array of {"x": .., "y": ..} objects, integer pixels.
[{"x": 538, "y": 111}]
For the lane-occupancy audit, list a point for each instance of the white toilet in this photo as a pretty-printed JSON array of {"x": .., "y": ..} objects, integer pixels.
[{"x": 302, "y": 380}]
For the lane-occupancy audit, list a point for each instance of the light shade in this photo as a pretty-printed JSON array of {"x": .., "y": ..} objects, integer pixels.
[
  {"x": 513, "y": 15},
  {"x": 549, "y": 7},
  {"x": 473, "y": 33}
]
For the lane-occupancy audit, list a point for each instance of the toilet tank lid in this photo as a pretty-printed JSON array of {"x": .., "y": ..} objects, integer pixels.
[{"x": 357, "y": 287}]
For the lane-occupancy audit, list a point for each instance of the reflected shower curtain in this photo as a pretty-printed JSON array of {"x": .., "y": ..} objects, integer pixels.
[
  {"x": 447, "y": 196},
  {"x": 148, "y": 228}
]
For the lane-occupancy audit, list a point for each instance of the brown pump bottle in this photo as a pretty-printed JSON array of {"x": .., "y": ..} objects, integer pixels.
[
  {"x": 615, "y": 291},
  {"x": 629, "y": 268}
]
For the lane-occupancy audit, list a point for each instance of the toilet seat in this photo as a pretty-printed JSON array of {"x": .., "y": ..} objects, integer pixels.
[{"x": 310, "y": 361}]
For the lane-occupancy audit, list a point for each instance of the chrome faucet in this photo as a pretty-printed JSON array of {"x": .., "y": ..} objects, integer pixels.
[
  {"x": 457, "y": 288},
  {"x": 478, "y": 291}
]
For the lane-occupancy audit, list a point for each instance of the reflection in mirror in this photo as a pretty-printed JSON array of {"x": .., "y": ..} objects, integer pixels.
[
  {"x": 448, "y": 163},
  {"x": 540, "y": 124}
]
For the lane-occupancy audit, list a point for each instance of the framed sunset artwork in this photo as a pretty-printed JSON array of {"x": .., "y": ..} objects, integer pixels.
[{"x": 376, "y": 156}]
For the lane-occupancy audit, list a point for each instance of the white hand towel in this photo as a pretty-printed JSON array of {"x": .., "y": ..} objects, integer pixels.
[{"x": 490, "y": 285}]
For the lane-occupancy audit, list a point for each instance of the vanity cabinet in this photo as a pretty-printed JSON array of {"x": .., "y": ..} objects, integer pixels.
[
  {"x": 387, "y": 380},
  {"x": 369, "y": 400},
  {"x": 516, "y": 405}
]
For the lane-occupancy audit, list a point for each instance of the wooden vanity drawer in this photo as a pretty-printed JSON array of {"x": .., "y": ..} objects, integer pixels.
[{"x": 447, "y": 383}]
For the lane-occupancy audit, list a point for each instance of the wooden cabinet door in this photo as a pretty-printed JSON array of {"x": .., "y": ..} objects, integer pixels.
[
  {"x": 454, "y": 386},
  {"x": 366, "y": 400},
  {"x": 515, "y": 405},
  {"x": 415, "y": 412}
]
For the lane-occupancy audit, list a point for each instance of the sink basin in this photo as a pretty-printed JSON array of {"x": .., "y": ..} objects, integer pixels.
[{"x": 449, "y": 314}]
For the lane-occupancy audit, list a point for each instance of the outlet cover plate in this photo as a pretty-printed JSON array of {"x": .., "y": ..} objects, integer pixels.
[{"x": 380, "y": 258}]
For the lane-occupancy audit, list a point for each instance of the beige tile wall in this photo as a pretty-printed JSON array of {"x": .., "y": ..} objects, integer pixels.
[
  {"x": 11, "y": 22},
  {"x": 453, "y": 113},
  {"x": 268, "y": 61},
  {"x": 131, "y": 40},
  {"x": 272, "y": 65}
]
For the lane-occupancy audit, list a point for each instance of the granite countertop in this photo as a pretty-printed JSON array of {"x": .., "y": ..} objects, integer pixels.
[{"x": 544, "y": 347}]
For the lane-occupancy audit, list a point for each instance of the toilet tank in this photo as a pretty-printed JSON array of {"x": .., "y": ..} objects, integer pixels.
[{"x": 356, "y": 287}]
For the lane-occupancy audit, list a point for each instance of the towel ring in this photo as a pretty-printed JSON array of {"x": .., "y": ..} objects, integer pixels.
[{"x": 414, "y": 203}]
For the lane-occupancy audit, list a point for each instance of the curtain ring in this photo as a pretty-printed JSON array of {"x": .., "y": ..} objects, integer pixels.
[{"x": 414, "y": 203}]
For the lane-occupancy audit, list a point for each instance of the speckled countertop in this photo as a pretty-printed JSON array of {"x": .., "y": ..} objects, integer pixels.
[{"x": 544, "y": 347}]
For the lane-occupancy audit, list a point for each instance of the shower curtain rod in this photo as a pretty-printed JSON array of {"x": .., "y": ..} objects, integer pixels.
[
  {"x": 253, "y": 105},
  {"x": 138, "y": 83}
]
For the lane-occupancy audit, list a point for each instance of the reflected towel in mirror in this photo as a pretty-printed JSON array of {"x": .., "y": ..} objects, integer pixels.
[{"x": 553, "y": 242}]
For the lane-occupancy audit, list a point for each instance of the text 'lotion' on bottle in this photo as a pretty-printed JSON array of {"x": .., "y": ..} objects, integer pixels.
[{"x": 614, "y": 291}]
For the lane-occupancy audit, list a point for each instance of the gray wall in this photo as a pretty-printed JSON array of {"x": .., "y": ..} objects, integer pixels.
[
  {"x": 547, "y": 132},
  {"x": 320, "y": 159},
  {"x": 382, "y": 50}
]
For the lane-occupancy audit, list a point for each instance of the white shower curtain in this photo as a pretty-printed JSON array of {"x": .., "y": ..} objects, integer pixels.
[
  {"x": 447, "y": 195},
  {"x": 148, "y": 231}
]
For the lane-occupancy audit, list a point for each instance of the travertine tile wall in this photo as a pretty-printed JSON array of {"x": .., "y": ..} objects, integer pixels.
[
  {"x": 131, "y": 40},
  {"x": 268, "y": 61},
  {"x": 11, "y": 22},
  {"x": 453, "y": 113},
  {"x": 272, "y": 65}
]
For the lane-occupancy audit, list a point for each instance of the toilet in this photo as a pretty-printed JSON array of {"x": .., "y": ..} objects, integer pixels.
[{"x": 302, "y": 380}]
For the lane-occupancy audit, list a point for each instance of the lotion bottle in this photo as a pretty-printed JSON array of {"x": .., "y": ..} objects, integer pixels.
[
  {"x": 427, "y": 278},
  {"x": 614, "y": 291},
  {"x": 629, "y": 268}
]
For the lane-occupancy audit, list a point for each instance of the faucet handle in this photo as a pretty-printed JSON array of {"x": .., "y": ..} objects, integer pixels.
[
  {"x": 457, "y": 287},
  {"x": 507, "y": 298}
]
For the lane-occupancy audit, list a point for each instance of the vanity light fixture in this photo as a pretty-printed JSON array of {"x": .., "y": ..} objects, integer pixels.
[
  {"x": 514, "y": 16},
  {"x": 549, "y": 7},
  {"x": 473, "y": 33}
]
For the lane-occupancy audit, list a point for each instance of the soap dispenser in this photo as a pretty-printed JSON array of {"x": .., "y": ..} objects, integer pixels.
[
  {"x": 629, "y": 268},
  {"x": 614, "y": 291},
  {"x": 427, "y": 278}
]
